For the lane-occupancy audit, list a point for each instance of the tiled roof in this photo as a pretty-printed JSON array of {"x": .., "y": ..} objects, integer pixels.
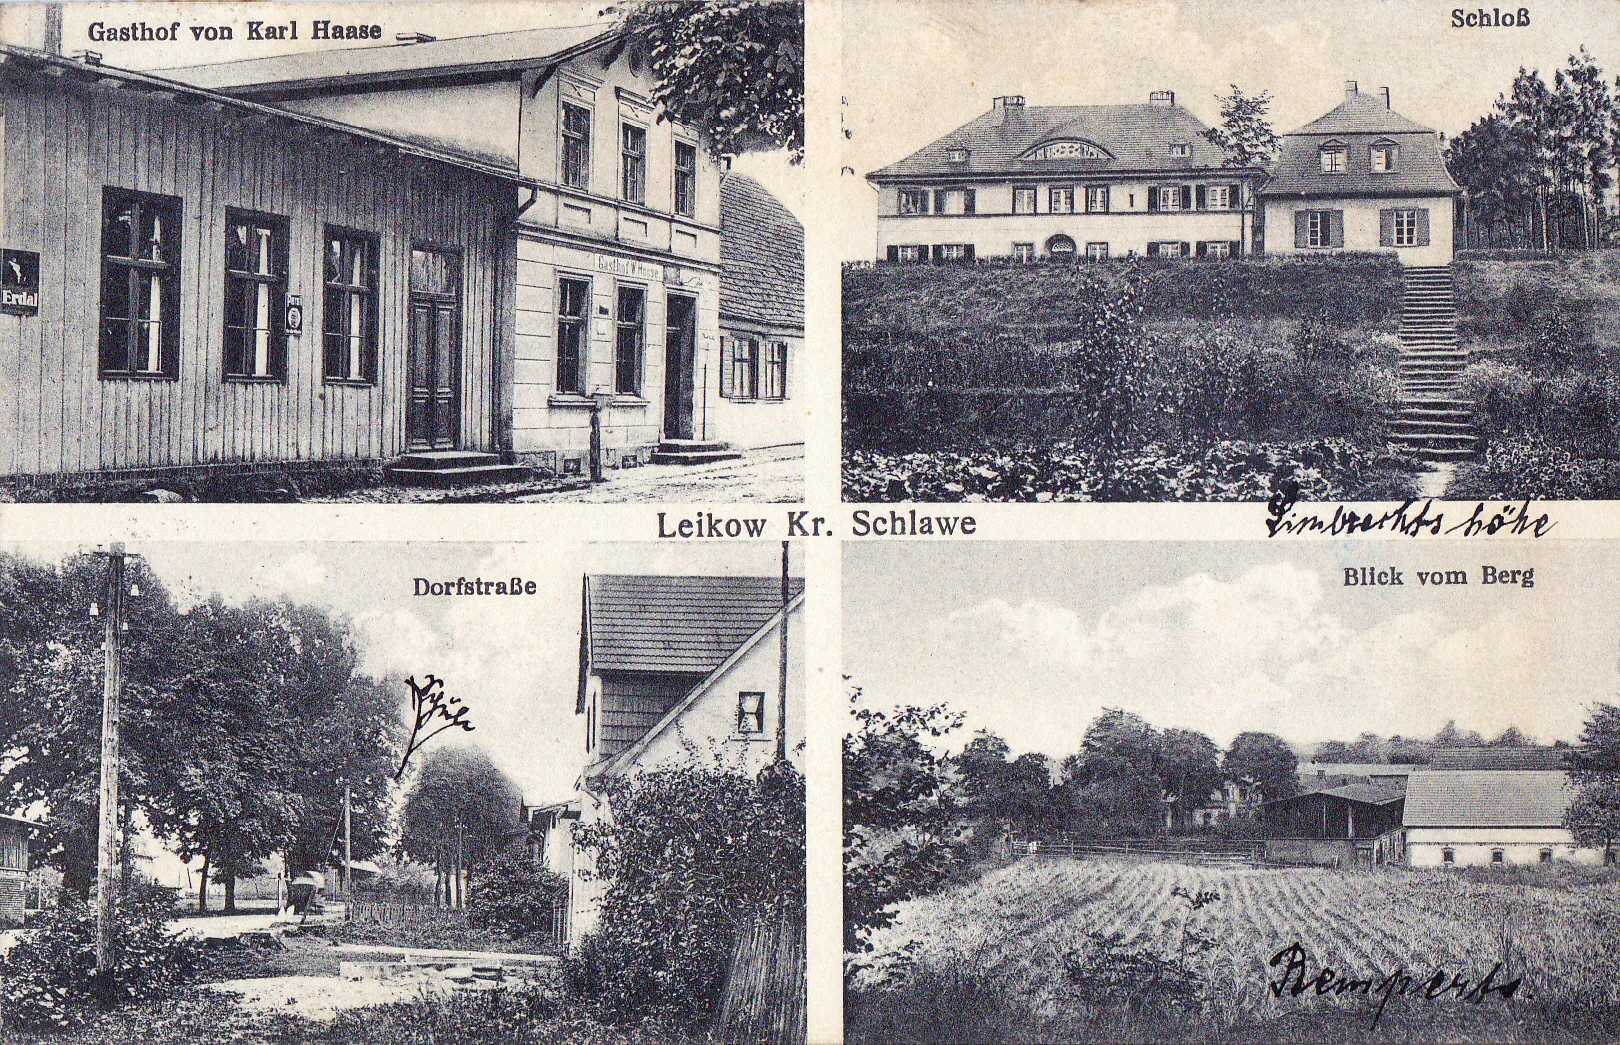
[
  {"x": 1521, "y": 758},
  {"x": 761, "y": 255},
  {"x": 1361, "y": 769},
  {"x": 685, "y": 625},
  {"x": 1487, "y": 798},
  {"x": 1137, "y": 137},
  {"x": 1356, "y": 792},
  {"x": 1362, "y": 120},
  {"x": 493, "y": 53}
]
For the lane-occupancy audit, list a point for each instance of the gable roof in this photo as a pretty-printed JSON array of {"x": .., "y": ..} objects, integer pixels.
[
  {"x": 1367, "y": 794},
  {"x": 1137, "y": 137},
  {"x": 73, "y": 70},
  {"x": 1487, "y": 798},
  {"x": 625, "y": 757},
  {"x": 1520, "y": 758},
  {"x": 761, "y": 255},
  {"x": 493, "y": 56},
  {"x": 1358, "y": 122},
  {"x": 670, "y": 625}
]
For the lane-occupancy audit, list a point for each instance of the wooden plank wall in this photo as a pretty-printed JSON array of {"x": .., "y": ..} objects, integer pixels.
[
  {"x": 64, "y": 143},
  {"x": 763, "y": 999}
]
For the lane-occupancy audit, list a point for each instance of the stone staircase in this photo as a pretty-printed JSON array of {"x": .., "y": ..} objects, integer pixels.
[
  {"x": 1431, "y": 421},
  {"x": 693, "y": 451},
  {"x": 452, "y": 468}
]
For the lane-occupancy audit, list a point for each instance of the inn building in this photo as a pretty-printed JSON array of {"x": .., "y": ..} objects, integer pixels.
[{"x": 1065, "y": 181}]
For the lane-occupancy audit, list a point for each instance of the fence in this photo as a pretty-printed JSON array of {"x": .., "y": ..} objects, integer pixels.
[
  {"x": 763, "y": 1000},
  {"x": 373, "y": 912},
  {"x": 1182, "y": 850}
]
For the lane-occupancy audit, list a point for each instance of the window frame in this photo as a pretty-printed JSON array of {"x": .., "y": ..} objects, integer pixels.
[
  {"x": 1032, "y": 193},
  {"x": 1409, "y": 217},
  {"x": 918, "y": 198},
  {"x": 1225, "y": 191},
  {"x": 172, "y": 244},
  {"x": 1098, "y": 192},
  {"x": 745, "y": 365},
  {"x": 1498, "y": 855},
  {"x": 1096, "y": 250},
  {"x": 638, "y": 336},
  {"x": 347, "y": 294},
  {"x": 1058, "y": 239},
  {"x": 1180, "y": 150},
  {"x": 1052, "y": 194},
  {"x": 571, "y": 141},
  {"x": 773, "y": 371},
  {"x": 1333, "y": 157},
  {"x": 918, "y": 251},
  {"x": 1023, "y": 253},
  {"x": 1318, "y": 229},
  {"x": 1388, "y": 153},
  {"x": 953, "y": 252},
  {"x": 1448, "y": 856},
  {"x": 1171, "y": 193},
  {"x": 279, "y": 228},
  {"x": 757, "y": 714},
  {"x": 581, "y": 324},
  {"x": 632, "y": 163},
  {"x": 688, "y": 175}
]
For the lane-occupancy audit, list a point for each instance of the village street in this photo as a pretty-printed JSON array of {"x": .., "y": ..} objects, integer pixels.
[{"x": 772, "y": 474}]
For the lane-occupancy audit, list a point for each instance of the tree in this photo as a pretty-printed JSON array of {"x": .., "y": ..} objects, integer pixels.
[
  {"x": 732, "y": 68},
  {"x": 1594, "y": 816},
  {"x": 1451, "y": 736},
  {"x": 1114, "y": 783},
  {"x": 1189, "y": 770},
  {"x": 1491, "y": 161},
  {"x": 514, "y": 895},
  {"x": 1245, "y": 132},
  {"x": 1266, "y": 761},
  {"x": 899, "y": 832},
  {"x": 459, "y": 812},
  {"x": 1590, "y": 111},
  {"x": 1512, "y": 736},
  {"x": 1331, "y": 751}
]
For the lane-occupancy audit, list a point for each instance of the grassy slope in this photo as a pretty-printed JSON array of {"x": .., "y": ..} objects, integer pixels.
[
  {"x": 1016, "y": 924},
  {"x": 1588, "y": 282}
]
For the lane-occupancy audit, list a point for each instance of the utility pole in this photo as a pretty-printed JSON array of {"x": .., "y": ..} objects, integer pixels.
[
  {"x": 782, "y": 666},
  {"x": 348, "y": 844},
  {"x": 107, "y": 840}
]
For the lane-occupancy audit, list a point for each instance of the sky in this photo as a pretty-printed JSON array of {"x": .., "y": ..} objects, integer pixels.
[
  {"x": 514, "y": 661},
  {"x": 434, "y": 17},
  {"x": 1032, "y": 640},
  {"x": 915, "y": 70}
]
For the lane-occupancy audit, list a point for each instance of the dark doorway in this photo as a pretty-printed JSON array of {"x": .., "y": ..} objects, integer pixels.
[
  {"x": 680, "y": 343},
  {"x": 433, "y": 410}
]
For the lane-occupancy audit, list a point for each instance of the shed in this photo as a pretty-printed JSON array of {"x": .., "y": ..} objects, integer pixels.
[{"x": 1334, "y": 825}]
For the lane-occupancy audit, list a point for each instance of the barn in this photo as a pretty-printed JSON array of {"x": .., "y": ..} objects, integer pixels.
[
  {"x": 1472, "y": 817},
  {"x": 195, "y": 281},
  {"x": 1334, "y": 826}
]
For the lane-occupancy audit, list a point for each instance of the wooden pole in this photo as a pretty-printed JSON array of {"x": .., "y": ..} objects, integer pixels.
[
  {"x": 782, "y": 666},
  {"x": 348, "y": 846},
  {"x": 107, "y": 840}
]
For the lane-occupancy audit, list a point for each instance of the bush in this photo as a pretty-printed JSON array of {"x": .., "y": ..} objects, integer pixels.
[
  {"x": 49, "y": 975},
  {"x": 514, "y": 895},
  {"x": 1524, "y": 466},
  {"x": 689, "y": 856}
]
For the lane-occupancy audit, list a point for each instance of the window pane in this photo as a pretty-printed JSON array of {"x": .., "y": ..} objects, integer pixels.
[{"x": 118, "y": 225}]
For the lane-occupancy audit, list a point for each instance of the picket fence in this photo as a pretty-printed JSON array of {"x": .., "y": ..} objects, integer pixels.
[{"x": 763, "y": 1001}]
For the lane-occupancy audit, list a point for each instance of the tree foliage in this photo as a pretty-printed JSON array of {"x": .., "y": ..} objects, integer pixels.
[
  {"x": 1245, "y": 130},
  {"x": 460, "y": 811},
  {"x": 1594, "y": 816},
  {"x": 732, "y": 68},
  {"x": 1189, "y": 770},
  {"x": 1266, "y": 760},
  {"x": 513, "y": 894}
]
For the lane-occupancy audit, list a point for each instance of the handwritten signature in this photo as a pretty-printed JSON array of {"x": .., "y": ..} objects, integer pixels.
[
  {"x": 431, "y": 710},
  {"x": 1408, "y": 519},
  {"x": 1329, "y": 981}
]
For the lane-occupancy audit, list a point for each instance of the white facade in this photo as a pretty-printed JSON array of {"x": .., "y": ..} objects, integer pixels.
[
  {"x": 1477, "y": 846},
  {"x": 1362, "y": 227}
]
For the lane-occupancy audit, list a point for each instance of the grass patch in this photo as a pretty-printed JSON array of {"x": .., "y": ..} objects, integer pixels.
[{"x": 451, "y": 932}]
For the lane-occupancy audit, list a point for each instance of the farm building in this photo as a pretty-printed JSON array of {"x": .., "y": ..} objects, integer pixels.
[
  {"x": 618, "y": 225},
  {"x": 1362, "y": 177},
  {"x": 1391, "y": 776},
  {"x": 1500, "y": 758},
  {"x": 14, "y": 832},
  {"x": 1337, "y": 826},
  {"x": 1067, "y": 181},
  {"x": 199, "y": 281},
  {"x": 1471, "y": 817},
  {"x": 672, "y": 669}
]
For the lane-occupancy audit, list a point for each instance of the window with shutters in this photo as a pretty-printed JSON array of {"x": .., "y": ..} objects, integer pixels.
[
  {"x": 744, "y": 368},
  {"x": 573, "y": 334},
  {"x": 630, "y": 338},
  {"x": 1404, "y": 228},
  {"x": 1319, "y": 228},
  {"x": 773, "y": 379},
  {"x": 750, "y": 712},
  {"x": 576, "y": 146},
  {"x": 913, "y": 201},
  {"x": 349, "y": 306},
  {"x": 1096, "y": 199},
  {"x": 1061, "y": 199},
  {"x": 1332, "y": 157},
  {"x": 1218, "y": 197},
  {"x": 1023, "y": 199},
  {"x": 140, "y": 285},
  {"x": 255, "y": 296},
  {"x": 953, "y": 251},
  {"x": 633, "y": 160},
  {"x": 685, "y": 178},
  {"x": 955, "y": 201},
  {"x": 1023, "y": 252},
  {"x": 1382, "y": 157},
  {"x": 911, "y": 253},
  {"x": 1097, "y": 251},
  {"x": 1169, "y": 197},
  {"x": 1167, "y": 249},
  {"x": 1219, "y": 248}
]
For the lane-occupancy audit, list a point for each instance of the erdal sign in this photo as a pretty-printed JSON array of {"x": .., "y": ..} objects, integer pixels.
[{"x": 19, "y": 282}]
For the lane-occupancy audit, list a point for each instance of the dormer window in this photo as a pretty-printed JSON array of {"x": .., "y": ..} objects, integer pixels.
[
  {"x": 1333, "y": 158},
  {"x": 1180, "y": 150},
  {"x": 1067, "y": 149},
  {"x": 1383, "y": 156},
  {"x": 957, "y": 155}
]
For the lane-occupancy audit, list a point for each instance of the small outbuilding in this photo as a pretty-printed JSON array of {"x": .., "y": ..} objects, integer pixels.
[{"x": 1336, "y": 826}]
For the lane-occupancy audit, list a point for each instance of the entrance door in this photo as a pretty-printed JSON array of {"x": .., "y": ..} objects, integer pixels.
[
  {"x": 680, "y": 344},
  {"x": 433, "y": 410}
]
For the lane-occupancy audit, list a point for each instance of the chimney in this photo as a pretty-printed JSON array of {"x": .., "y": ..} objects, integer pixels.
[
  {"x": 1349, "y": 88},
  {"x": 1008, "y": 102},
  {"x": 1164, "y": 98},
  {"x": 1386, "y": 97}
]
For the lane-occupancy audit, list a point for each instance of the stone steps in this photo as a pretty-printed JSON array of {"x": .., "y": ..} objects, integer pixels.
[
  {"x": 442, "y": 468},
  {"x": 693, "y": 451},
  {"x": 1430, "y": 421}
]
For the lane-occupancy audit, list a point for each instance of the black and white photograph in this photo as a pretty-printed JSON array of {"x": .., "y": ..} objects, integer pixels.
[
  {"x": 421, "y": 252},
  {"x": 402, "y": 793},
  {"x": 1186, "y": 251},
  {"x": 1205, "y": 792}
]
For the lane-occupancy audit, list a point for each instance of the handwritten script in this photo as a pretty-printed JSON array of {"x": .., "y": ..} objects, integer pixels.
[
  {"x": 1409, "y": 519},
  {"x": 1437, "y": 986},
  {"x": 432, "y": 712}
]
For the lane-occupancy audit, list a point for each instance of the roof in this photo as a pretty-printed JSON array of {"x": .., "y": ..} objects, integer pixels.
[
  {"x": 1361, "y": 120},
  {"x": 761, "y": 255},
  {"x": 1487, "y": 798},
  {"x": 1515, "y": 758},
  {"x": 493, "y": 55},
  {"x": 1136, "y": 137},
  {"x": 28, "y": 58},
  {"x": 1364, "y": 769},
  {"x": 671, "y": 625},
  {"x": 625, "y": 758},
  {"x": 1366, "y": 794}
]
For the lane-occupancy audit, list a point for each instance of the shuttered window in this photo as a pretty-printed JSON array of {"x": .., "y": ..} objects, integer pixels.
[
  {"x": 1318, "y": 228},
  {"x": 773, "y": 380},
  {"x": 913, "y": 201},
  {"x": 255, "y": 296},
  {"x": 1403, "y": 227},
  {"x": 140, "y": 285},
  {"x": 349, "y": 306}
]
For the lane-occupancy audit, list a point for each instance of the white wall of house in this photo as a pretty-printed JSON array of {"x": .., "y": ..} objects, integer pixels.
[
  {"x": 1473, "y": 846},
  {"x": 752, "y": 423},
  {"x": 1361, "y": 227},
  {"x": 479, "y": 119}
]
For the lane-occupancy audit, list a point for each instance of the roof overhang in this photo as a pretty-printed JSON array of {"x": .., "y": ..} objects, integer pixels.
[
  {"x": 1020, "y": 174},
  {"x": 1383, "y": 194}
]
